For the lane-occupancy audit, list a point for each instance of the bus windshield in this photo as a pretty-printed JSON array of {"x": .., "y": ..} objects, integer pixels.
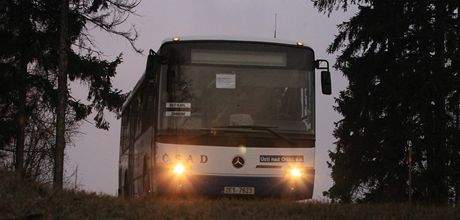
[{"x": 244, "y": 86}]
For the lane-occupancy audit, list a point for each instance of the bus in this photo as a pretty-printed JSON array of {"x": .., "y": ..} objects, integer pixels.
[{"x": 222, "y": 117}]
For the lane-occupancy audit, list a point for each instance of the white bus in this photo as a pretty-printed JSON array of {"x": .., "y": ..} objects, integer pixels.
[{"x": 219, "y": 117}]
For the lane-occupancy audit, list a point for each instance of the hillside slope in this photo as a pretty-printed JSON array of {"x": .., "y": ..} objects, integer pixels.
[{"x": 29, "y": 200}]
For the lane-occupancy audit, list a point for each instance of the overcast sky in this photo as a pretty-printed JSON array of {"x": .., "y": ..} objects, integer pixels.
[{"x": 96, "y": 152}]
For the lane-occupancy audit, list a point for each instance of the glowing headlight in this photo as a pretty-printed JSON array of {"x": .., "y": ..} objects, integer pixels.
[
  {"x": 179, "y": 169},
  {"x": 295, "y": 172}
]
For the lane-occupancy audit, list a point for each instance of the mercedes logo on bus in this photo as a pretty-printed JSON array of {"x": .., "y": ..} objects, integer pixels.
[{"x": 238, "y": 162}]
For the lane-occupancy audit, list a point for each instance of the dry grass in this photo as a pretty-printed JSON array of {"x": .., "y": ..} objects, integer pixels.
[{"x": 28, "y": 200}]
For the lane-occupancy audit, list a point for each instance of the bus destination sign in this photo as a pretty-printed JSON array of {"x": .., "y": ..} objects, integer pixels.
[{"x": 281, "y": 158}]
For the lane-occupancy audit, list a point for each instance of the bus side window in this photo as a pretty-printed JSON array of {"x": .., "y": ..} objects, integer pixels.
[
  {"x": 138, "y": 115},
  {"x": 147, "y": 107},
  {"x": 124, "y": 131},
  {"x": 132, "y": 121}
]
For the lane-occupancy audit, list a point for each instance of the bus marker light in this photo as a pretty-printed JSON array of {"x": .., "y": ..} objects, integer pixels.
[{"x": 176, "y": 39}]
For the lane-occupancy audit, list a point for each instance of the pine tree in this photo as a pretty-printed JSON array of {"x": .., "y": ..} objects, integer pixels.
[{"x": 396, "y": 56}]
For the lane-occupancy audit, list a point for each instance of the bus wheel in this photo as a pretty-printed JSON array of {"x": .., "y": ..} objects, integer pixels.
[
  {"x": 154, "y": 183},
  {"x": 125, "y": 185},
  {"x": 146, "y": 177}
]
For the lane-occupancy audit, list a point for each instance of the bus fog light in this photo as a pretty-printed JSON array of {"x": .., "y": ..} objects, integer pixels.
[{"x": 179, "y": 169}]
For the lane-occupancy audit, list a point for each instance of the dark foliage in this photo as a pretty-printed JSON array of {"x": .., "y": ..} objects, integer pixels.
[
  {"x": 29, "y": 36},
  {"x": 402, "y": 62}
]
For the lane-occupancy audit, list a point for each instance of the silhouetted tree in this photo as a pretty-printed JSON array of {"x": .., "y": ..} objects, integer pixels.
[
  {"x": 29, "y": 31},
  {"x": 401, "y": 60},
  {"x": 94, "y": 12},
  {"x": 39, "y": 139}
]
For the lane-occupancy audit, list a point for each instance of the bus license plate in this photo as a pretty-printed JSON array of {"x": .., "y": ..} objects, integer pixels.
[{"x": 239, "y": 190}]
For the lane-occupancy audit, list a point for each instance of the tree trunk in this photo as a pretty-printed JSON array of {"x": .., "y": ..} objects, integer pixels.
[
  {"x": 440, "y": 188},
  {"x": 21, "y": 119},
  {"x": 62, "y": 96},
  {"x": 457, "y": 122},
  {"x": 456, "y": 147}
]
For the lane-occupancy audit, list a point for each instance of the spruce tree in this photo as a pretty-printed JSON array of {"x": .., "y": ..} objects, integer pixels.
[
  {"x": 33, "y": 43},
  {"x": 399, "y": 58}
]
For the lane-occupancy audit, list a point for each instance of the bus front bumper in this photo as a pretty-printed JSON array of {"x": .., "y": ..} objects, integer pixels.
[{"x": 299, "y": 188}]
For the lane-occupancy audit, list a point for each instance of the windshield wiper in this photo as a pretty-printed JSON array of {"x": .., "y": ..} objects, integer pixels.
[{"x": 262, "y": 128}]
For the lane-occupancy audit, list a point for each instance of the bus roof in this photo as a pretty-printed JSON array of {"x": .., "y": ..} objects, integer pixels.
[
  {"x": 234, "y": 38},
  {"x": 216, "y": 38}
]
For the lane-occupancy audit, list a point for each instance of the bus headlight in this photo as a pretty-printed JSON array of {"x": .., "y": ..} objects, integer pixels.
[
  {"x": 179, "y": 169},
  {"x": 295, "y": 172}
]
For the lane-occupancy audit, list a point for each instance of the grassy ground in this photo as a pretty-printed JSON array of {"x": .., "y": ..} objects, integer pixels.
[{"x": 28, "y": 200}]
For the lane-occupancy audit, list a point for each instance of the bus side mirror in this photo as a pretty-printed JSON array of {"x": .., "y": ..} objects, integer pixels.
[
  {"x": 326, "y": 82},
  {"x": 153, "y": 65},
  {"x": 325, "y": 76}
]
